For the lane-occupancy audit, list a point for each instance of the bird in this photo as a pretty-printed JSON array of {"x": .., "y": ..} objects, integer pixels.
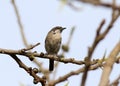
[{"x": 53, "y": 43}]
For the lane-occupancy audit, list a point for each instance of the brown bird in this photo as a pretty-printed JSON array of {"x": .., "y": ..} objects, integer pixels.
[{"x": 53, "y": 43}]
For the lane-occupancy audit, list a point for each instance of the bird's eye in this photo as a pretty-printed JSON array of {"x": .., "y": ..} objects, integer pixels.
[{"x": 54, "y": 32}]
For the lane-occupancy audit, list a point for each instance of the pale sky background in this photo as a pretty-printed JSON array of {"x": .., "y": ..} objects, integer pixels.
[{"x": 38, "y": 17}]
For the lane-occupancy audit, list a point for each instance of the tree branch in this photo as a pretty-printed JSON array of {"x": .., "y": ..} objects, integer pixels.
[
  {"x": 91, "y": 50},
  {"x": 20, "y": 23},
  {"x": 99, "y": 3},
  {"x": 109, "y": 64},
  {"x": 25, "y": 42},
  {"x": 76, "y": 72},
  {"x": 97, "y": 40},
  {"x": 28, "y": 70},
  {"x": 31, "y": 55}
]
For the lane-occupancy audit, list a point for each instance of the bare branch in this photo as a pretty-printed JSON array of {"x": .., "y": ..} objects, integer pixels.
[
  {"x": 100, "y": 27},
  {"x": 90, "y": 52},
  {"x": 89, "y": 65},
  {"x": 30, "y": 47},
  {"x": 94, "y": 64},
  {"x": 20, "y": 24},
  {"x": 40, "y": 55},
  {"x": 98, "y": 38},
  {"x": 99, "y": 3},
  {"x": 28, "y": 70},
  {"x": 108, "y": 65},
  {"x": 23, "y": 35},
  {"x": 76, "y": 72}
]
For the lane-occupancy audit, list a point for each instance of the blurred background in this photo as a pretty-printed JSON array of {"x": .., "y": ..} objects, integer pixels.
[{"x": 38, "y": 17}]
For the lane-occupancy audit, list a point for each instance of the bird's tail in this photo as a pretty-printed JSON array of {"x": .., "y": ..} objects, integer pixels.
[{"x": 51, "y": 65}]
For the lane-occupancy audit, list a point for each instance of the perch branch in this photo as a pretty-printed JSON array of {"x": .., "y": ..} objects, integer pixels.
[{"x": 42, "y": 55}]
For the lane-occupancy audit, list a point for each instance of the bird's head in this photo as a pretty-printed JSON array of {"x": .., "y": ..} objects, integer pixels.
[{"x": 57, "y": 29}]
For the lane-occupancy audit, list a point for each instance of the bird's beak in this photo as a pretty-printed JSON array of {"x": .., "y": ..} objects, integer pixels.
[{"x": 62, "y": 29}]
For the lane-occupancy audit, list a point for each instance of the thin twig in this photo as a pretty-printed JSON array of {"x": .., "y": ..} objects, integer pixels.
[
  {"x": 90, "y": 52},
  {"x": 98, "y": 38},
  {"x": 42, "y": 70},
  {"x": 100, "y": 27},
  {"x": 99, "y": 3},
  {"x": 28, "y": 70},
  {"x": 23, "y": 34},
  {"x": 30, "y": 47},
  {"x": 76, "y": 72},
  {"x": 20, "y": 23}
]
